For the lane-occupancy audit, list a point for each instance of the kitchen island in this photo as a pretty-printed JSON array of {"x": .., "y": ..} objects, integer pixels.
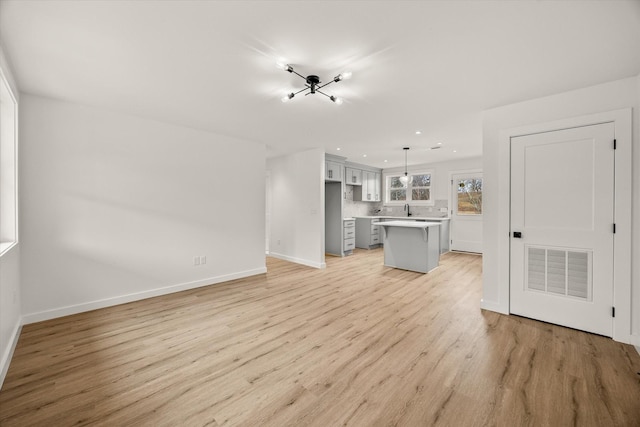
[
  {"x": 411, "y": 245},
  {"x": 361, "y": 238}
]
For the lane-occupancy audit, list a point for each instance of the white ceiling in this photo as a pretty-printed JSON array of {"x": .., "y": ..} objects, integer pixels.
[{"x": 432, "y": 66}]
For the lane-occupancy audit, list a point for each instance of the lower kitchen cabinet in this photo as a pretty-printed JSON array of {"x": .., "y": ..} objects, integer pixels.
[
  {"x": 349, "y": 236},
  {"x": 367, "y": 233}
]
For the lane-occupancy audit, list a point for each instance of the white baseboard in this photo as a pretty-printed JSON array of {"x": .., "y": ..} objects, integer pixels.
[
  {"x": 8, "y": 353},
  {"x": 306, "y": 262},
  {"x": 108, "y": 302},
  {"x": 492, "y": 306}
]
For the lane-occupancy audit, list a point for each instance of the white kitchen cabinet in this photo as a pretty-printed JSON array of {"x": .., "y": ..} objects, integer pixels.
[
  {"x": 367, "y": 191},
  {"x": 376, "y": 187},
  {"x": 367, "y": 233},
  {"x": 333, "y": 171},
  {"x": 349, "y": 234},
  {"x": 353, "y": 176}
]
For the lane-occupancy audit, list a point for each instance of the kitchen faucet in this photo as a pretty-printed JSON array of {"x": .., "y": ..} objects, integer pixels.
[{"x": 407, "y": 208}]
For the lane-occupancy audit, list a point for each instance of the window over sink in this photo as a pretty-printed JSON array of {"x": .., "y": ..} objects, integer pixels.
[{"x": 416, "y": 191}]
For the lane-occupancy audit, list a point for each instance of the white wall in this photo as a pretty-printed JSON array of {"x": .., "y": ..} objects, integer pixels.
[
  {"x": 297, "y": 210},
  {"x": 10, "y": 313},
  {"x": 596, "y": 99},
  {"x": 114, "y": 208}
]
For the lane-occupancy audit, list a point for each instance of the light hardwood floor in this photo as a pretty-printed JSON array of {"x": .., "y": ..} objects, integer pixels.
[{"x": 355, "y": 344}]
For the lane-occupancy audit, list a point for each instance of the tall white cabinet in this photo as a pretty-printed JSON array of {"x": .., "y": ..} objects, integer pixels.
[{"x": 334, "y": 241}]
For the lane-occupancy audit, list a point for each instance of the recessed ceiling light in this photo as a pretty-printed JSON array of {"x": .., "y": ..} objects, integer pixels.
[
  {"x": 385, "y": 161},
  {"x": 338, "y": 148},
  {"x": 439, "y": 143},
  {"x": 455, "y": 151},
  {"x": 418, "y": 132},
  {"x": 364, "y": 155}
]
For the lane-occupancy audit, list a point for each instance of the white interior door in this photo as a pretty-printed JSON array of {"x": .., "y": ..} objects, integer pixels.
[
  {"x": 466, "y": 212},
  {"x": 562, "y": 200}
]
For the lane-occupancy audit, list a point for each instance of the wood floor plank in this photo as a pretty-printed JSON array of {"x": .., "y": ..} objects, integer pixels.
[{"x": 355, "y": 344}]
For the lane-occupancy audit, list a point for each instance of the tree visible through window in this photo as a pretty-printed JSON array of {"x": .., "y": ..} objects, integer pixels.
[
  {"x": 470, "y": 196},
  {"x": 417, "y": 189}
]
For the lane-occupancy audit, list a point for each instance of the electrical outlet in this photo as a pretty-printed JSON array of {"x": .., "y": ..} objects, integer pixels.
[
  {"x": 196, "y": 260},
  {"x": 203, "y": 259}
]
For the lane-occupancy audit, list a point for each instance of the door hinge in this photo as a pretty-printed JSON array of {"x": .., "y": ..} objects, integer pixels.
[
  {"x": 451, "y": 182},
  {"x": 613, "y": 312},
  {"x": 614, "y": 228},
  {"x": 615, "y": 144}
]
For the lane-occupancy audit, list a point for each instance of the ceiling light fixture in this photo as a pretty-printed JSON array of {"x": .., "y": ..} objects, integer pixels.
[
  {"x": 405, "y": 179},
  {"x": 313, "y": 83}
]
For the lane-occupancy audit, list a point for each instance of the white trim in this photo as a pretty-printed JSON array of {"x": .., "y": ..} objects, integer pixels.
[
  {"x": 387, "y": 175},
  {"x": 15, "y": 142},
  {"x": 108, "y": 302},
  {"x": 492, "y": 306},
  {"x": 8, "y": 354},
  {"x": 622, "y": 120},
  {"x": 308, "y": 263},
  {"x": 6, "y": 246}
]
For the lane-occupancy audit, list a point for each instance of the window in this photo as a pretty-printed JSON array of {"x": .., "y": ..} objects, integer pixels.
[
  {"x": 469, "y": 196},
  {"x": 8, "y": 166},
  {"x": 416, "y": 191}
]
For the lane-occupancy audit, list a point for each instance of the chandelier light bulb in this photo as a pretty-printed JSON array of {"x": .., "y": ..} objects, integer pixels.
[
  {"x": 337, "y": 100},
  {"x": 287, "y": 97},
  {"x": 284, "y": 66},
  {"x": 346, "y": 75}
]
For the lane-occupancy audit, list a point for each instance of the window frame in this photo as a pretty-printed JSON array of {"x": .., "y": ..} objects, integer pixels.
[{"x": 386, "y": 182}]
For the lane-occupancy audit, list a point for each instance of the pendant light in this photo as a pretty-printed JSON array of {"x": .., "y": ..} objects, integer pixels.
[{"x": 405, "y": 179}]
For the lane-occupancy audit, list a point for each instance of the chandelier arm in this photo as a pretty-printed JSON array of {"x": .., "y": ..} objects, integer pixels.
[
  {"x": 301, "y": 90},
  {"x": 298, "y": 74},
  {"x": 326, "y": 84},
  {"x": 323, "y": 93}
]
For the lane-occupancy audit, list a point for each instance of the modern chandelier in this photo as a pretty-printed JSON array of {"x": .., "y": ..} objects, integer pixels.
[{"x": 313, "y": 84}]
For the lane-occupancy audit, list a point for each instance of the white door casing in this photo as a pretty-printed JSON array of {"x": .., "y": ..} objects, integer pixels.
[
  {"x": 562, "y": 203},
  {"x": 466, "y": 226}
]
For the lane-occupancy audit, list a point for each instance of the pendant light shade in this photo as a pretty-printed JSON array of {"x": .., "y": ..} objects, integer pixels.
[{"x": 405, "y": 179}]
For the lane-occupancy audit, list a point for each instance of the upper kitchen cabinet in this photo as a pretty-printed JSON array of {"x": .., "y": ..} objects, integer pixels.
[
  {"x": 333, "y": 171},
  {"x": 353, "y": 176},
  {"x": 370, "y": 188}
]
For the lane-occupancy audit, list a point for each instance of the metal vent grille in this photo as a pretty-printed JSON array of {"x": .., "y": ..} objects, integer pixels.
[{"x": 563, "y": 272}]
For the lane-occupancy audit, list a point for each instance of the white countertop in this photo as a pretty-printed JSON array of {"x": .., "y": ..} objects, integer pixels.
[
  {"x": 407, "y": 218},
  {"x": 410, "y": 224}
]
